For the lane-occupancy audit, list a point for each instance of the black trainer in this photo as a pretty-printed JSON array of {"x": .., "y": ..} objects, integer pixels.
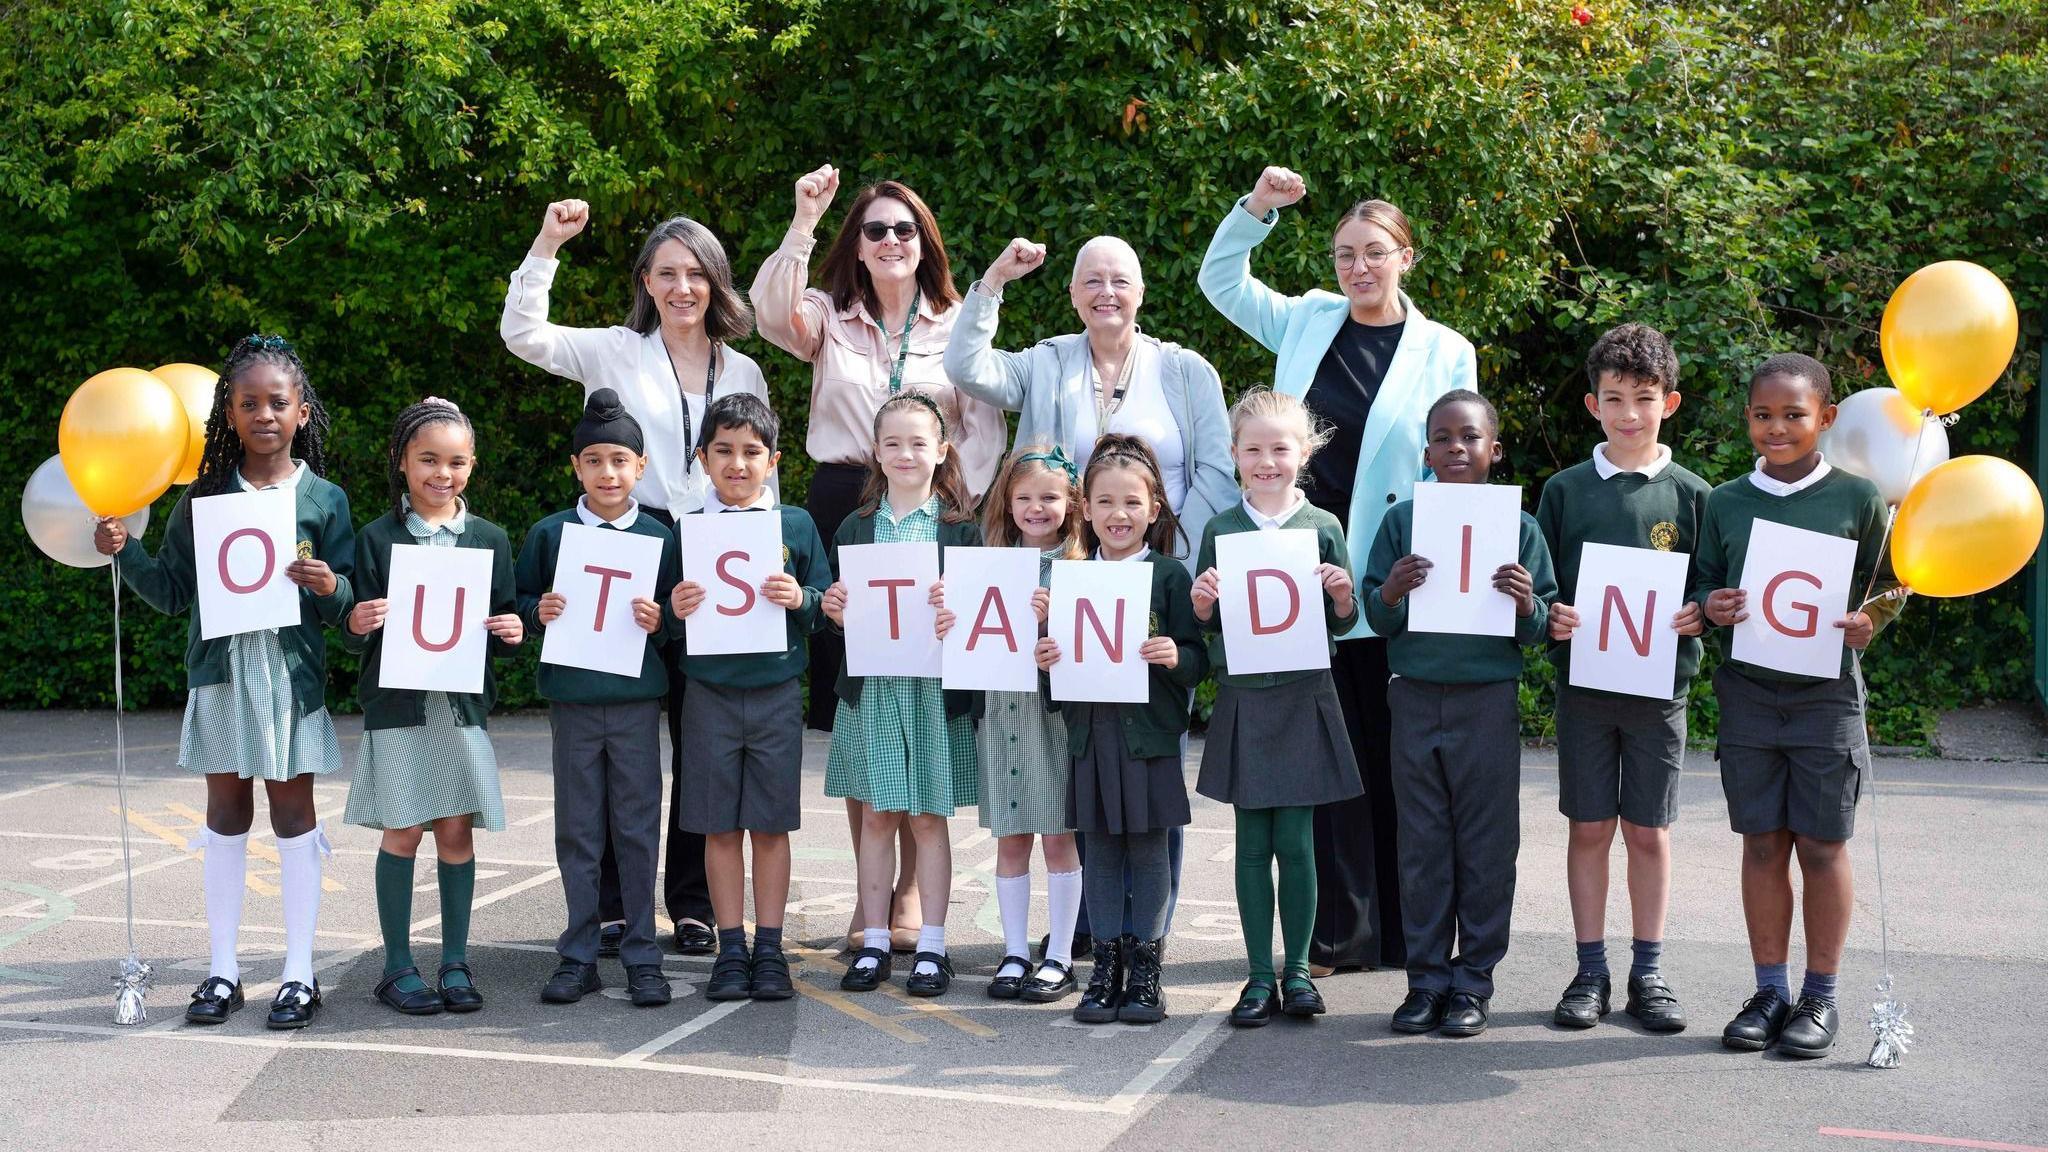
[
  {"x": 571, "y": 982},
  {"x": 1586, "y": 999},
  {"x": 1654, "y": 1005}
]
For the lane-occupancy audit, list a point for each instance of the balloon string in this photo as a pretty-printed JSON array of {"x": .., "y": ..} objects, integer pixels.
[{"x": 121, "y": 759}]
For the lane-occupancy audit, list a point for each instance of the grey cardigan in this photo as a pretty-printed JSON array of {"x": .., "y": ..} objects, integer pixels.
[{"x": 1047, "y": 385}]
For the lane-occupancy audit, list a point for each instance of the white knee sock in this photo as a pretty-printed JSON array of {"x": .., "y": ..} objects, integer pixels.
[
  {"x": 223, "y": 869},
  {"x": 299, "y": 858},
  {"x": 1063, "y": 893},
  {"x": 930, "y": 938},
  {"x": 1013, "y": 897}
]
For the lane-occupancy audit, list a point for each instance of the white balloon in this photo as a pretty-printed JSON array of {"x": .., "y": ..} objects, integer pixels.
[
  {"x": 1880, "y": 436},
  {"x": 59, "y": 522}
]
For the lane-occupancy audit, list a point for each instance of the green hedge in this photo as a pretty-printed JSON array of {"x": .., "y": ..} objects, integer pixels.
[{"x": 363, "y": 176}]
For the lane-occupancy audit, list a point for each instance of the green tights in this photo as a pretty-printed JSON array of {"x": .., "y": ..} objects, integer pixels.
[{"x": 1262, "y": 835}]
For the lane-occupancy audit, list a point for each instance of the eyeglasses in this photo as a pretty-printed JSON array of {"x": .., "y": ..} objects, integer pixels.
[
  {"x": 874, "y": 230},
  {"x": 1371, "y": 257}
]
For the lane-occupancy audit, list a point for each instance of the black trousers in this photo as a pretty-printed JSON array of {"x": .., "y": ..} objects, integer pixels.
[
  {"x": 834, "y": 494},
  {"x": 1358, "y": 862},
  {"x": 685, "y": 891}
]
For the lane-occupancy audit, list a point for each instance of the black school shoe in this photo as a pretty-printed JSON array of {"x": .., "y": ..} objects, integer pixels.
[
  {"x": 294, "y": 1005},
  {"x": 1464, "y": 1015},
  {"x": 1421, "y": 1012},
  {"x": 1586, "y": 999},
  {"x": 1654, "y": 1005},
  {"x": 646, "y": 985},
  {"x": 1757, "y": 1026},
  {"x": 1105, "y": 992},
  {"x": 214, "y": 1000},
  {"x": 732, "y": 976},
  {"x": 1009, "y": 987},
  {"x": 1299, "y": 997},
  {"x": 422, "y": 1001},
  {"x": 464, "y": 997},
  {"x": 1809, "y": 1031},
  {"x": 929, "y": 983},
  {"x": 1039, "y": 990},
  {"x": 1254, "y": 1008},
  {"x": 1144, "y": 1000},
  {"x": 609, "y": 937},
  {"x": 867, "y": 978},
  {"x": 771, "y": 975},
  {"x": 695, "y": 940},
  {"x": 571, "y": 982}
]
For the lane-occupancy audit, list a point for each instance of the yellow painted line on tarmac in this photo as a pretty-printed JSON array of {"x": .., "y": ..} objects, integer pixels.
[
  {"x": 940, "y": 1012},
  {"x": 177, "y": 837},
  {"x": 840, "y": 1001}
]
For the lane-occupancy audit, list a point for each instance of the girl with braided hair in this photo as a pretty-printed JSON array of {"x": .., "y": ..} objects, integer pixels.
[
  {"x": 425, "y": 759},
  {"x": 256, "y": 707}
]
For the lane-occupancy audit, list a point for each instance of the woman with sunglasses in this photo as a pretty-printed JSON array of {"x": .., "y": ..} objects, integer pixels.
[
  {"x": 877, "y": 327},
  {"x": 671, "y": 358},
  {"x": 1369, "y": 364}
]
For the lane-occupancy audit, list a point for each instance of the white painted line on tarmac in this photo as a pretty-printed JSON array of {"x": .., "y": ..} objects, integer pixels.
[
  {"x": 102, "y": 882},
  {"x": 528, "y": 821},
  {"x": 683, "y": 1031},
  {"x": 1166, "y": 1063},
  {"x": 38, "y": 788}
]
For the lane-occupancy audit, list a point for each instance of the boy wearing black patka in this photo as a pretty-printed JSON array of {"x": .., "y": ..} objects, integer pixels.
[
  {"x": 1619, "y": 755},
  {"x": 607, "y": 727},
  {"x": 1457, "y": 749},
  {"x": 1793, "y": 748}
]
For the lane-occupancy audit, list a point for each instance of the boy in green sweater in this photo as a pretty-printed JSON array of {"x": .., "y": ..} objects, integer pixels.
[
  {"x": 1793, "y": 748},
  {"x": 744, "y": 713},
  {"x": 1457, "y": 750},
  {"x": 1619, "y": 755},
  {"x": 607, "y": 727}
]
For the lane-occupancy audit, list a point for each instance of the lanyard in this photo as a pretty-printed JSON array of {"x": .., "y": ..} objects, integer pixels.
[
  {"x": 710, "y": 379},
  {"x": 903, "y": 348},
  {"x": 1104, "y": 410}
]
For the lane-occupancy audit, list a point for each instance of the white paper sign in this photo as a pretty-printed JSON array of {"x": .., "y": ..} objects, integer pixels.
[
  {"x": 1626, "y": 599},
  {"x": 995, "y": 633},
  {"x": 434, "y": 630},
  {"x": 1466, "y": 532},
  {"x": 732, "y": 554},
  {"x": 241, "y": 544},
  {"x": 890, "y": 622},
  {"x": 1798, "y": 585},
  {"x": 1271, "y": 601},
  {"x": 599, "y": 572},
  {"x": 1101, "y": 613}
]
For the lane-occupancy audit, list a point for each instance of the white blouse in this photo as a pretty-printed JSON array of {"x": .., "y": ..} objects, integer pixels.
[
  {"x": 635, "y": 366},
  {"x": 1144, "y": 414}
]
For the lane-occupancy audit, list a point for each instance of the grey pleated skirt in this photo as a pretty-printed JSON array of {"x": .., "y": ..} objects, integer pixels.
[{"x": 1112, "y": 792}]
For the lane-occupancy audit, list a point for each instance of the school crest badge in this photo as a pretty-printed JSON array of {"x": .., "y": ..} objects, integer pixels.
[
  {"x": 305, "y": 549},
  {"x": 1152, "y": 625},
  {"x": 1663, "y": 535},
  {"x": 785, "y": 555}
]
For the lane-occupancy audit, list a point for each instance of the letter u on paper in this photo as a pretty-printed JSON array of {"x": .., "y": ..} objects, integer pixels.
[{"x": 434, "y": 632}]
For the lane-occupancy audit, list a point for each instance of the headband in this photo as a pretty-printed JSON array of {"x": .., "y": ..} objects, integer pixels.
[
  {"x": 913, "y": 397},
  {"x": 1056, "y": 458}
]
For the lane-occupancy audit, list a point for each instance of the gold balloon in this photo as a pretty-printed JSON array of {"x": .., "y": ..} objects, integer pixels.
[
  {"x": 123, "y": 437},
  {"x": 194, "y": 385},
  {"x": 1948, "y": 333},
  {"x": 1966, "y": 526}
]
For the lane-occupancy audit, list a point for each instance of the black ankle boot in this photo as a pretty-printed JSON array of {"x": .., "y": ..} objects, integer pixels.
[
  {"x": 1105, "y": 991},
  {"x": 1143, "y": 1002}
]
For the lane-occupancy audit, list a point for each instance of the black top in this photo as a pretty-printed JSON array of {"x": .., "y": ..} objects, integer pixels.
[{"x": 1342, "y": 395}]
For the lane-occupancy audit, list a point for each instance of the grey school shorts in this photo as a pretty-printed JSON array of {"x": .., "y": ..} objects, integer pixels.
[
  {"x": 743, "y": 757},
  {"x": 1619, "y": 756},
  {"x": 1792, "y": 755}
]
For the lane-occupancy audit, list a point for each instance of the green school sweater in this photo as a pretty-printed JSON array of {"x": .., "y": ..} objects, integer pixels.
[
  {"x": 169, "y": 583},
  {"x": 534, "y": 575},
  {"x": 1153, "y": 728},
  {"x": 859, "y": 528},
  {"x": 804, "y": 557},
  {"x": 1838, "y": 504},
  {"x": 1329, "y": 549},
  {"x": 1442, "y": 657},
  {"x": 406, "y": 707},
  {"x": 1630, "y": 511}
]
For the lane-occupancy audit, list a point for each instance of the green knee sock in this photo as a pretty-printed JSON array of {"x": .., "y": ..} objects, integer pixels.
[
  {"x": 1294, "y": 842},
  {"x": 1255, "y": 888},
  {"x": 394, "y": 916},
  {"x": 458, "y": 891}
]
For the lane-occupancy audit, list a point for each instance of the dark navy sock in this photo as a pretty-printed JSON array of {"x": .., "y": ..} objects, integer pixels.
[
  {"x": 1818, "y": 985},
  {"x": 1775, "y": 976},
  {"x": 767, "y": 939},
  {"x": 1593, "y": 957},
  {"x": 732, "y": 940},
  {"x": 1649, "y": 955}
]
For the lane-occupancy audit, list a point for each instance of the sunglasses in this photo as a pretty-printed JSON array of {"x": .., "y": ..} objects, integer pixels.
[{"x": 874, "y": 230}]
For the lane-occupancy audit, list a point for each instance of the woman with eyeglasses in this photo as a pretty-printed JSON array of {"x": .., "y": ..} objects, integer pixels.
[
  {"x": 670, "y": 359},
  {"x": 1368, "y": 364},
  {"x": 877, "y": 327}
]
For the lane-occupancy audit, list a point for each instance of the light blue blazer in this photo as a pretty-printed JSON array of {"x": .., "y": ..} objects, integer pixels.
[{"x": 1430, "y": 361}]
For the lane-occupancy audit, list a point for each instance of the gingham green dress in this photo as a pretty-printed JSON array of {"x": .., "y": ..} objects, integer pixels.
[
  {"x": 406, "y": 777},
  {"x": 1024, "y": 760},
  {"x": 250, "y": 726},
  {"x": 898, "y": 751}
]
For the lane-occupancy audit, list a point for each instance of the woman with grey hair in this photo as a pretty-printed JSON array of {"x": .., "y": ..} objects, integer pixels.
[
  {"x": 1108, "y": 377},
  {"x": 667, "y": 362}
]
